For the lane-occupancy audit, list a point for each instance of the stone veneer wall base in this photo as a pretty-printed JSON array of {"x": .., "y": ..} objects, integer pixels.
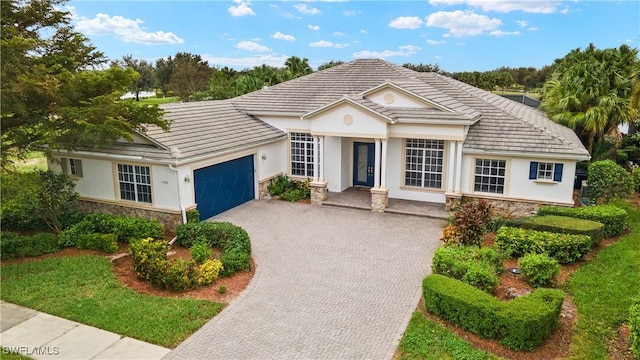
[
  {"x": 169, "y": 220},
  {"x": 503, "y": 207}
]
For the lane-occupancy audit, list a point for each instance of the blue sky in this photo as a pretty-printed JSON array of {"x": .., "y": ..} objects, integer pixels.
[{"x": 459, "y": 35}]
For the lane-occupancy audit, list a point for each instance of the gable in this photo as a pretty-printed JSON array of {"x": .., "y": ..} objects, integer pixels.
[
  {"x": 390, "y": 96},
  {"x": 348, "y": 119}
]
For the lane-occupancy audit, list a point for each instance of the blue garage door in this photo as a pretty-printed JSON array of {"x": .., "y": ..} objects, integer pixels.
[{"x": 223, "y": 186}]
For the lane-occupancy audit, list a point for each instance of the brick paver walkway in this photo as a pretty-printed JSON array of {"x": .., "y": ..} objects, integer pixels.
[{"x": 330, "y": 283}]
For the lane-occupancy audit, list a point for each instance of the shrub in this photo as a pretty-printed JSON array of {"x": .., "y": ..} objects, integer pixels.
[
  {"x": 634, "y": 327},
  {"x": 278, "y": 185},
  {"x": 613, "y": 218},
  {"x": 103, "y": 242},
  {"x": 125, "y": 228},
  {"x": 608, "y": 181},
  {"x": 450, "y": 235},
  {"x": 149, "y": 258},
  {"x": 474, "y": 266},
  {"x": 193, "y": 215},
  {"x": 234, "y": 260},
  {"x": 521, "y": 324},
  {"x": 539, "y": 269},
  {"x": 636, "y": 180},
  {"x": 200, "y": 252},
  {"x": 178, "y": 275},
  {"x": 563, "y": 225},
  {"x": 470, "y": 220},
  {"x": 13, "y": 245},
  {"x": 208, "y": 271},
  {"x": 495, "y": 222},
  {"x": 222, "y": 289},
  {"x": 566, "y": 248},
  {"x": 289, "y": 189}
]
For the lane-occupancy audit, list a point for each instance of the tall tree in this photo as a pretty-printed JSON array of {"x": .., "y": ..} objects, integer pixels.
[
  {"x": 146, "y": 79},
  {"x": 190, "y": 75},
  {"x": 51, "y": 98},
  {"x": 163, "y": 72},
  {"x": 423, "y": 67},
  {"x": 297, "y": 67},
  {"x": 330, "y": 64}
]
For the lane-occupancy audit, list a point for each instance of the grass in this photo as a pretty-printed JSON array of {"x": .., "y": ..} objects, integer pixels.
[
  {"x": 6, "y": 354},
  {"x": 158, "y": 101},
  {"x": 602, "y": 290},
  {"x": 84, "y": 289},
  {"x": 425, "y": 339},
  {"x": 34, "y": 160},
  {"x": 534, "y": 95}
]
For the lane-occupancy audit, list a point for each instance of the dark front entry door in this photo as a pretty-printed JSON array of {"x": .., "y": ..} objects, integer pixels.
[{"x": 363, "y": 164}]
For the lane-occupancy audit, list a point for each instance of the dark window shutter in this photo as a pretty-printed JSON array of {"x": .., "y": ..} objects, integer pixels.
[
  {"x": 78, "y": 168},
  {"x": 557, "y": 172},
  {"x": 64, "y": 164},
  {"x": 533, "y": 170}
]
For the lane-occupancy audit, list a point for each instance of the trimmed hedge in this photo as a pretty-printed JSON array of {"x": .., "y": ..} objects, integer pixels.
[
  {"x": 613, "y": 218},
  {"x": 13, "y": 245},
  {"x": 634, "y": 326},
  {"x": 475, "y": 266},
  {"x": 561, "y": 224},
  {"x": 124, "y": 228},
  {"x": 103, "y": 242},
  {"x": 521, "y": 324},
  {"x": 566, "y": 248},
  {"x": 231, "y": 239},
  {"x": 539, "y": 269}
]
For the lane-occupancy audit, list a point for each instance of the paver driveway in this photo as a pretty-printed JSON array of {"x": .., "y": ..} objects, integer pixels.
[{"x": 330, "y": 283}]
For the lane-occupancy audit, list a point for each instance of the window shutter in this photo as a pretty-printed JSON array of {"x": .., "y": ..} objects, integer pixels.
[
  {"x": 64, "y": 164},
  {"x": 533, "y": 170},
  {"x": 78, "y": 168},
  {"x": 557, "y": 172}
]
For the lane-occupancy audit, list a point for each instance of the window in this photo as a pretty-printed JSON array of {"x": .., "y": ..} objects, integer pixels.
[
  {"x": 545, "y": 171},
  {"x": 423, "y": 163},
  {"x": 301, "y": 154},
  {"x": 135, "y": 183},
  {"x": 489, "y": 176},
  {"x": 71, "y": 167}
]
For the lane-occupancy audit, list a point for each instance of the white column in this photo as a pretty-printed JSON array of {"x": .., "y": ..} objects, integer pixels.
[
  {"x": 383, "y": 160},
  {"x": 376, "y": 170},
  {"x": 451, "y": 166},
  {"x": 458, "y": 176},
  {"x": 315, "y": 158},
  {"x": 321, "y": 157}
]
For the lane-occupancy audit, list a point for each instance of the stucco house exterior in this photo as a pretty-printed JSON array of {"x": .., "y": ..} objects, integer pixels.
[{"x": 367, "y": 123}]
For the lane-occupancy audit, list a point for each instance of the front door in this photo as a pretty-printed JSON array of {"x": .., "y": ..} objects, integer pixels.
[{"x": 363, "y": 164}]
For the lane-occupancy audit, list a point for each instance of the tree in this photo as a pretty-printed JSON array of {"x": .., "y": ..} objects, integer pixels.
[
  {"x": 190, "y": 75},
  {"x": 52, "y": 98},
  {"x": 503, "y": 79},
  {"x": 423, "y": 67},
  {"x": 163, "y": 72},
  {"x": 330, "y": 64},
  {"x": 146, "y": 79},
  {"x": 297, "y": 67}
]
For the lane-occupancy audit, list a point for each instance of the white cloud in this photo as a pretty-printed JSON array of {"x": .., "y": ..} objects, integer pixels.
[
  {"x": 328, "y": 44},
  {"x": 437, "y": 57},
  {"x": 340, "y": 46},
  {"x": 338, "y": 33},
  {"x": 533, "y": 28},
  {"x": 405, "y": 50},
  {"x": 463, "y": 23},
  {"x": 251, "y": 46},
  {"x": 406, "y": 22},
  {"x": 363, "y": 31},
  {"x": 500, "y": 33},
  {"x": 313, "y": 27},
  {"x": 126, "y": 29},
  {"x": 304, "y": 9},
  {"x": 529, "y": 6},
  {"x": 246, "y": 62},
  {"x": 435, "y": 42},
  {"x": 280, "y": 36},
  {"x": 242, "y": 8},
  {"x": 522, "y": 23},
  {"x": 350, "y": 13}
]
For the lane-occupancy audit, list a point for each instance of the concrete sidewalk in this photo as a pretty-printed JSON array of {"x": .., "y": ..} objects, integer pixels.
[{"x": 43, "y": 336}]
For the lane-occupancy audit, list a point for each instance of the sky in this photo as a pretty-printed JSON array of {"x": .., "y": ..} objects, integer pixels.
[{"x": 458, "y": 35}]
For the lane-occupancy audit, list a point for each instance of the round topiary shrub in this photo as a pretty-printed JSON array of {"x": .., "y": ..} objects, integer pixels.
[
  {"x": 608, "y": 181},
  {"x": 539, "y": 269}
]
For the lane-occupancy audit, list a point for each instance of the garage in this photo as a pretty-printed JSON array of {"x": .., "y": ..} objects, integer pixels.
[{"x": 223, "y": 186}]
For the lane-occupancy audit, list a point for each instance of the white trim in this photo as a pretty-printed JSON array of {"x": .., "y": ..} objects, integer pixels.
[
  {"x": 376, "y": 166},
  {"x": 324, "y": 108},
  {"x": 383, "y": 164},
  {"x": 388, "y": 84},
  {"x": 526, "y": 155}
]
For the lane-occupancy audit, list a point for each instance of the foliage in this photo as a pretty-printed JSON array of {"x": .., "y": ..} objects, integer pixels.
[
  {"x": 297, "y": 67},
  {"x": 193, "y": 215},
  {"x": 636, "y": 179},
  {"x": 330, "y": 64},
  {"x": 566, "y": 248},
  {"x": 422, "y": 67},
  {"x": 85, "y": 289},
  {"x": 475, "y": 266},
  {"x": 149, "y": 258},
  {"x": 145, "y": 80},
  {"x": 190, "y": 74},
  {"x": 289, "y": 189},
  {"x": 521, "y": 324},
  {"x": 425, "y": 339},
  {"x": 613, "y": 218},
  {"x": 51, "y": 97},
  {"x": 634, "y": 327},
  {"x": 37, "y": 201},
  {"x": 94, "y": 241},
  {"x": 608, "y": 181},
  {"x": 222, "y": 289},
  {"x": 278, "y": 185},
  {"x": 200, "y": 251},
  {"x": 177, "y": 275},
  {"x": 561, "y": 224},
  {"x": 539, "y": 269},
  {"x": 13, "y": 245},
  {"x": 450, "y": 235},
  {"x": 470, "y": 220},
  {"x": 495, "y": 222},
  {"x": 125, "y": 228},
  {"x": 208, "y": 272}
]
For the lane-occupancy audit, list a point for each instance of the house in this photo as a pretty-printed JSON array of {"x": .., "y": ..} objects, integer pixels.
[
  {"x": 367, "y": 123},
  {"x": 523, "y": 99}
]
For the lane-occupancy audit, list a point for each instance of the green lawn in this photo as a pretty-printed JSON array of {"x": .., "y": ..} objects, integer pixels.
[
  {"x": 34, "y": 160},
  {"x": 602, "y": 290},
  {"x": 84, "y": 289},
  {"x": 5, "y": 354},
  {"x": 158, "y": 101}
]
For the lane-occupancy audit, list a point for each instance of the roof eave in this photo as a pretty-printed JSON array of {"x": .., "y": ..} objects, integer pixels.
[{"x": 537, "y": 155}]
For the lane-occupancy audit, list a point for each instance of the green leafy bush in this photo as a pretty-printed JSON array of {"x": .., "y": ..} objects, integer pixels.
[
  {"x": 563, "y": 225},
  {"x": 289, "y": 189},
  {"x": 474, "y": 266},
  {"x": 208, "y": 272},
  {"x": 634, "y": 327},
  {"x": 13, "y": 245},
  {"x": 636, "y": 180},
  {"x": 278, "y": 185},
  {"x": 193, "y": 215},
  {"x": 200, "y": 252},
  {"x": 608, "y": 181},
  {"x": 521, "y": 324},
  {"x": 566, "y": 248},
  {"x": 613, "y": 218},
  {"x": 149, "y": 258},
  {"x": 103, "y": 242},
  {"x": 125, "y": 228},
  {"x": 178, "y": 275},
  {"x": 471, "y": 220},
  {"x": 539, "y": 269},
  {"x": 222, "y": 289}
]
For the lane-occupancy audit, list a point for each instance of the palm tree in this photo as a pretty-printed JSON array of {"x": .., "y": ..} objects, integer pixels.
[{"x": 298, "y": 67}]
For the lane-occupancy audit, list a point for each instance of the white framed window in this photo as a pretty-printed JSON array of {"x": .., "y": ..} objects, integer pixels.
[
  {"x": 547, "y": 171},
  {"x": 490, "y": 176},
  {"x": 134, "y": 182},
  {"x": 301, "y": 154},
  {"x": 423, "y": 163},
  {"x": 72, "y": 167}
]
